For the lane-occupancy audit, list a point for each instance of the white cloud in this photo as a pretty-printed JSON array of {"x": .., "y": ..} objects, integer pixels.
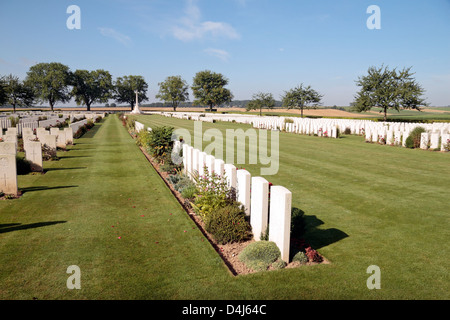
[
  {"x": 218, "y": 53},
  {"x": 190, "y": 27},
  {"x": 111, "y": 33}
]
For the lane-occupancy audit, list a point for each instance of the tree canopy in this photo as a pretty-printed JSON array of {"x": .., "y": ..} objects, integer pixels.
[
  {"x": 125, "y": 88},
  {"x": 3, "y": 96},
  {"x": 173, "y": 90},
  {"x": 301, "y": 97},
  {"x": 17, "y": 93},
  {"x": 261, "y": 100},
  {"x": 49, "y": 82},
  {"x": 209, "y": 89},
  {"x": 388, "y": 89},
  {"x": 91, "y": 86}
]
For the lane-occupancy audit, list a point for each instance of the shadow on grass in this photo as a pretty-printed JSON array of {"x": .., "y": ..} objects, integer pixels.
[
  {"x": 41, "y": 188},
  {"x": 319, "y": 238},
  {"x": 305, "y": 232},
  {"x": 91, "y": 132},
  {"x": 58, "y": 169},
  {"x": 74, "y": 157},
  {"x": 18, "y": 226}
]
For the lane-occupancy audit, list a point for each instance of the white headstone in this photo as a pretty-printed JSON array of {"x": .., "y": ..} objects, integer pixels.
[
  {"x": 11, "y": 138},
  {"x": 210, "y": 163},
  {"x": 445, "y": 142},
  {"x": 8, "y": 148},
  {"x": 397, "y": 137},
  {"x": 243, "y": 189},
  {"x": 69, "y": 135},
  {"x": 424, "y": 140},
  {"x": 390, "y": 137},
  {"x": 60, "y": 137},
  {"x": 201, "y": 163},
  {"x": 33, "y": 153},
  {"x": 41, "y": 132},
  {"x": 11, "y": 131},
  {"x": 434, "y": 141},
  {"x": 260, "y": 206},
  {"x": 280, "y": 219},
  {"x": 230, "y": 173},
  {"x": 195, "y": 156},
  {"x": 219, "y": 166},
  {"x": 8, "y": 170},
  {"x": 49, "y": 141}
]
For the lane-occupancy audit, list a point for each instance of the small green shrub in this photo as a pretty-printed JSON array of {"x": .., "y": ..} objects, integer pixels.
[
  {"x": 161, "y": 142},
  {"x": 174, "y": 178},
  {"x": 300, "y": 257},
  {"x": 265, "y": 235},
  {"x": 228, "y": 224},
  {"x": 213, "y": 193},
  {"x": 288, "y": 120},
  {"x": 170, "y": 167},
  {"x": 143, "y": 139},
  {"x": 189, "y": 192},
  {"x": 413, "y": 140},
  {"x": 279, "y": 264},
  {"x": 14, "y": 121},
  {"x": 183, "y": 183},
  {"x": 260, "y": 255}
]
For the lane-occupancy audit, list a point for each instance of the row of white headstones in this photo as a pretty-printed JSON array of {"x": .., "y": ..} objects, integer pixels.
[
  {"x": 251, "y": 192},
  {"x": 32, "y": 143},
  {"x": 31, "y": 120},
  {"x": 436, "y": 137}
]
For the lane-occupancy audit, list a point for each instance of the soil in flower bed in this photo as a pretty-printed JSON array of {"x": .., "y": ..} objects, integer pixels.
[{"x": 228, "y": 252}]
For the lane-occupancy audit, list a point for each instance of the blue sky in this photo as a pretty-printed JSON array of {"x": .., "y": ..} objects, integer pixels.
[{"x": 259, "y": 45}]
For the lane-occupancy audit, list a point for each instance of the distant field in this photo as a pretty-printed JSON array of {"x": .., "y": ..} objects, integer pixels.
[{"x": 427, "y": 114}]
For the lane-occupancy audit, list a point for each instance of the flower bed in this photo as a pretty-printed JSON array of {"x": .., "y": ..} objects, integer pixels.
[{"x": 231, "y": 248}]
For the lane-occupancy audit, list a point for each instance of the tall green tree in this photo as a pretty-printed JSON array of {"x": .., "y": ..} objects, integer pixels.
[
  {"x": 388, "y": 89},
  {"x": 50, "y": 82},
  {"x": 3, "y": 96},
  {"x": 173, "y": 90},
  {"x": 89, "y": 87},
  {"x": 301, "y": 97},
  {"x": 209, "y": 89},
  {"x": 125, "y": 87},
  {"x": 261, "y": 100},
  {"x": 17, "y": 92}
]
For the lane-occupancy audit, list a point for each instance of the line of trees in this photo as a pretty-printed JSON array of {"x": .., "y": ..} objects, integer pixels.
[
  {"x": 381, "y": 87},
  {"x": 54, "y": 82}
]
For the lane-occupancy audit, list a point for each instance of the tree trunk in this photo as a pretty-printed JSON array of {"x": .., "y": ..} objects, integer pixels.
[
  {"x": 385, "y": 114},
  {"x": 51, "y": 105},
  {"x": 88, "y": 107},
  {"x": 301, "y": 111}
]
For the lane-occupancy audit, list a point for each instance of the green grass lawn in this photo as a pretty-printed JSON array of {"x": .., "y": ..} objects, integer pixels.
[{"x": 365, "y": 204}]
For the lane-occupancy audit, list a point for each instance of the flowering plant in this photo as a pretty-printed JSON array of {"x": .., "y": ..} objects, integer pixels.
[
  {"x": 447, "y": 145},
  {"x": 212, "y": 193}
]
